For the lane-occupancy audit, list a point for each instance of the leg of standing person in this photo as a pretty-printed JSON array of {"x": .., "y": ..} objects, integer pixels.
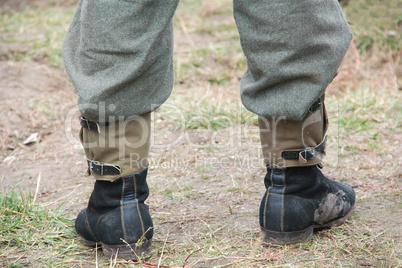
[
  {"x": 293, "y": 51},
  {"x": 119, "y": 57}
]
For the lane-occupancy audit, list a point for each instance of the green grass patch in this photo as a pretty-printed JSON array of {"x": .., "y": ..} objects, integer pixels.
[
  {"x": 365, "y": 108},
  {"x": 376, "y": 23},
  {"x": 41, "y": 29},
  {"x": 34, "y": 232},
  {"x": 44, "y": 106}
]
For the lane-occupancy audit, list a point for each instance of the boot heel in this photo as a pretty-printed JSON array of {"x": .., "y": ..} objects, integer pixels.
[
  {"x": 88, "y": 243},
  {"x": 283, "y": 238},
  {"x": 128, "y": 252}
]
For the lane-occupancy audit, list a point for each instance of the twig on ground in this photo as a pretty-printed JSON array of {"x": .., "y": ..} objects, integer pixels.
[
  {"x": 184, "y": 264},
  {"x": 163, "y": 248},
  {"x": 197, "y": 261},
  {"x": 37, "y": 187},
  {"x": 29, "y": 249}
]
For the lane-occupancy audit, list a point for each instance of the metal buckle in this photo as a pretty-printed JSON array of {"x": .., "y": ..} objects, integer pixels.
[
  {"x": 100, "y": 167},
  {"x": 86, "y": 121},
  {"x": 91, "y": 167},
  {"x": 316, "y": 105},
  {"x": 310, "y": 150},
  {"x": 97, "y": 125},
  {"x": 88, "y": 125}
]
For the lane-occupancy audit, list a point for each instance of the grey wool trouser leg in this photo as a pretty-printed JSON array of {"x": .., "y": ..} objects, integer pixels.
[
  {"x": 118, "y": 54},
  {"x": 293, "y": 51}
]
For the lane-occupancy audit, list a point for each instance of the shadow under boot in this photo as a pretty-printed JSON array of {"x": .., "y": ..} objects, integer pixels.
[{"x": 117, "y": 218}]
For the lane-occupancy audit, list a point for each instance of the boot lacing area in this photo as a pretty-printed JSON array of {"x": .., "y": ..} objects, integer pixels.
[
  {"x": 130, "y": 198},
  {"x": 127, "y": 203}
]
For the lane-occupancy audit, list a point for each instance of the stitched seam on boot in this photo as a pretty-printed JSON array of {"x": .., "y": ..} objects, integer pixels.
[
  {"x": 265, "y": 208},
  {"x": 137, "y": 203},
  {"x": 139, "y": 214},
  {"x": 122, "y": 210},
  {"x": 129, "y": 205},
  {"x": 135, "y": 186},
  {"x": 283, "y": 200},
  {"x": 89, "y": 228},
  {"x": 294, "y": 196},
  {"x": 266, "y": 202}
]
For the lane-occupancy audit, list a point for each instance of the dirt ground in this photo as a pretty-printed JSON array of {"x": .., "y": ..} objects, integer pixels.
[{"x": 36, "y": 153}]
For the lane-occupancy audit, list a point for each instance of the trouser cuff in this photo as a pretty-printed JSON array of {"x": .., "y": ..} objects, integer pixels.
[
  {"x": 116, "y": 149},
  {"x": 290, "y": 143}
]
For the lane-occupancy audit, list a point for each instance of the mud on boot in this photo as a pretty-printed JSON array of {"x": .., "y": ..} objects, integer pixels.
[
  {"x": 299, "y": 200},
  {"x": 117, "y": 218}
]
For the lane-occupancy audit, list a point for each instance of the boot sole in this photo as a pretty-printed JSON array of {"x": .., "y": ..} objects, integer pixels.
[
  {"x": 126, "y": 251},
  {"x": 88, "y": 243},
  {"x": 285, "y": 238}
]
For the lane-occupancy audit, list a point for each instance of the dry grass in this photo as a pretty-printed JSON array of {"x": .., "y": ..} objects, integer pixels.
[{"x": 204, "y": 194}]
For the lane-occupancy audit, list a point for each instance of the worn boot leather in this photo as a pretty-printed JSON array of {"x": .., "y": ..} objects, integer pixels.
[
  {"x": 299, "y": 200},
  {"x": 117, "y": 218}
]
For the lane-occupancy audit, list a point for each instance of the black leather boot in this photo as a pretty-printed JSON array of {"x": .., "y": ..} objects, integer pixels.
[
  {"x": 300, "y": 199},
  {"x": 117, "y": 218}
]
